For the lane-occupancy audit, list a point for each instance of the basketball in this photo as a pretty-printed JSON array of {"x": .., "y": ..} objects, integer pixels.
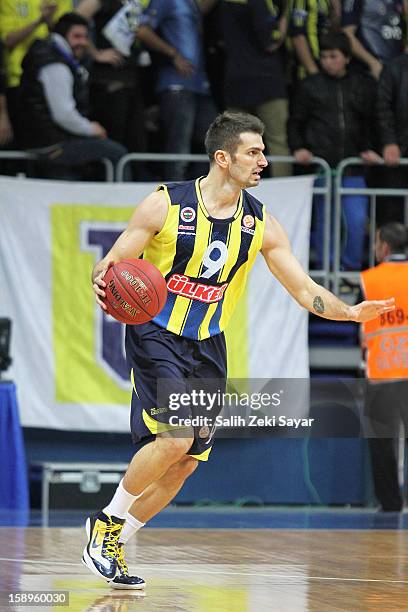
[{"x": 135, "y": 291}]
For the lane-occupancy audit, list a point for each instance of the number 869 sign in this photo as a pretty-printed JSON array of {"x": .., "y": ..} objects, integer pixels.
[{"x": 397, "y": 317}]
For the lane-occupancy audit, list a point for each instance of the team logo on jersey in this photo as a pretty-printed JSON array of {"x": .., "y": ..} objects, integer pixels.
[
  {"x": 247, "y": 226},
  {"x": 248, "y": 221},
  {"x": 188, "y": 214},
  {"x": 184, "y": 286}
]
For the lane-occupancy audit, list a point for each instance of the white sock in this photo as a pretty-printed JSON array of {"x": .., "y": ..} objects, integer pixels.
[
  {"x": 129, "y": 528},
  {"x": 121, "y": 502}
]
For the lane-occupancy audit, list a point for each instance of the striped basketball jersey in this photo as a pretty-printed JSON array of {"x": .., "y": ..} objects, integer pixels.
[{"x": 204, "y": 260}]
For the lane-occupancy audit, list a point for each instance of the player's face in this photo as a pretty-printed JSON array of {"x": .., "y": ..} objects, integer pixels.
[
  {"x": 248, "y": 160},
  {"x": 334, "y": 63},
  {"x": 77, "y": 38}
]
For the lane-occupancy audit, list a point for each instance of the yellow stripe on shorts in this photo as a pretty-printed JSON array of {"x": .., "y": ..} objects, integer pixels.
[
  {"x": 155, "y": 427},
  {"x": 202, "y": 456}
]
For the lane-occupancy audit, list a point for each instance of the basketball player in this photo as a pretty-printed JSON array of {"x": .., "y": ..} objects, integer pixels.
[{"x": 203, "y": 236}]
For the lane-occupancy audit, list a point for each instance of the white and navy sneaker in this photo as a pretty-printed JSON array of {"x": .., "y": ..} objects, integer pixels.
[
  {"x": 123, "y": 580},
  {"x": 103, "y": 533}
]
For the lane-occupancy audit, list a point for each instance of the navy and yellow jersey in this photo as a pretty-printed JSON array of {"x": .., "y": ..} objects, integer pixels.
[
  {"x": 204, "y": 260},
  {"x": 312, "y": 19},
  {"x": 381, "y": 25}
]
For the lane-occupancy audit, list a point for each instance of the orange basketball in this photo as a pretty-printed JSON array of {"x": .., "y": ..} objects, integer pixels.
[{"x": 135, "y": 291}]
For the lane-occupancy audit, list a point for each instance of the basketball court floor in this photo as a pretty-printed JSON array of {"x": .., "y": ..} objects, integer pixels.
[{"x": 287, "y": 569}]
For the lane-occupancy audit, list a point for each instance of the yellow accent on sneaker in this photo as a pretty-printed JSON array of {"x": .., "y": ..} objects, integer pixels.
[
  {"x": 120, "y": 559},
  {"x": 112, "y": 530}
]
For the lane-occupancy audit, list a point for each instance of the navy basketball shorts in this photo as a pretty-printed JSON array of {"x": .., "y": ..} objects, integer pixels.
[{"x": 177, "y": 384}]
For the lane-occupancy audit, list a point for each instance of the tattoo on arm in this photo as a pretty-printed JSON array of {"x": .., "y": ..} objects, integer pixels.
[{"x": 318, "y": 304}]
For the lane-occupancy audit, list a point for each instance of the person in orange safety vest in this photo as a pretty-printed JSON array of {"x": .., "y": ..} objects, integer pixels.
[{"x": 385, "y": 341}]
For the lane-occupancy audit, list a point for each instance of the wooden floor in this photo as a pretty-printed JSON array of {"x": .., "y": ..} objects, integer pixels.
[{"x": 218, "y": 570}]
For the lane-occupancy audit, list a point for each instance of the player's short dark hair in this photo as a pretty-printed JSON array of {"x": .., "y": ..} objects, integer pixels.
[
  {"x": 336, "y": 40},
  {"x": 225, "y": 131},
  {"x": 395, "y": 235},
  {"x": 67, "y": 21}
]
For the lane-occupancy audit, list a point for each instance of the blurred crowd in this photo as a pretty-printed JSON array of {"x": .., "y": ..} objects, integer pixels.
[{"x": 99, "y": 78}]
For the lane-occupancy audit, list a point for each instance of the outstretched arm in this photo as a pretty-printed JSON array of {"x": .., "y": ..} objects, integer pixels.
[
  {"x": 147, "y": 220},
  {"x": 286, "y": 268}
]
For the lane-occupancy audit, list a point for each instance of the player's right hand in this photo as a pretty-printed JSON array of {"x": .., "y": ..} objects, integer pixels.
[{"x": 99, "y": 285}]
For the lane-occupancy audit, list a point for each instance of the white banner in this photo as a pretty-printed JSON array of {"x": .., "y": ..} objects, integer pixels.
[{"x": 68, "y": 359}]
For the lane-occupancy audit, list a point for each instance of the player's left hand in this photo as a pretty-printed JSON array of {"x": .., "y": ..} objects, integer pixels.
[
  {"x": 99, "y": 285},
  {"x": 365, "y": 311}
]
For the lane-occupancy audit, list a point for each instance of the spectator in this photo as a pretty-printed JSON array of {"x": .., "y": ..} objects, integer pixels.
[
  {"x": 55, "y": 90},
  {"x": 214, "y": 49},
  {"x": 385, "y": 341},
  {"x": 257, "y": 82},
  {"x": 333, "y": 118},
  {"x": 376, "y": 29},
  {"x": 392, "y": 118},
  {"x": 308, "y": 21},
  {"x": 116, "y": 96},
  {"x": 20, "y": 24},
  {"x": 172, "y": 29},
  {"x": 6, "y": 131}
]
